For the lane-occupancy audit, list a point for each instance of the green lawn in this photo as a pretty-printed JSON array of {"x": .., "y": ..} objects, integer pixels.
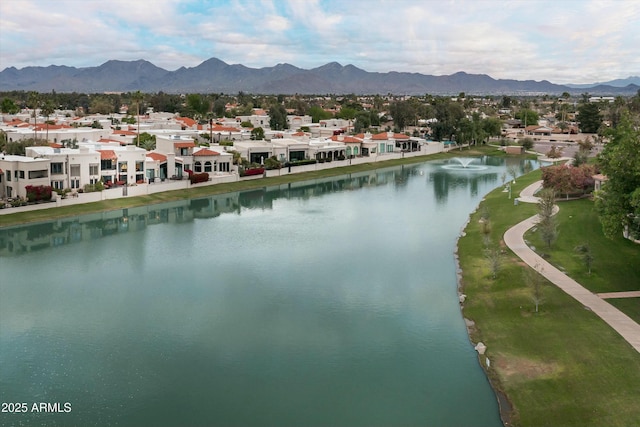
[
  {"x": 562, "y": 366},
  {"x": 616, "y": 262}
]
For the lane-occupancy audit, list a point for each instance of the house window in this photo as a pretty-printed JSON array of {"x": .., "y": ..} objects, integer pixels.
[
  {"x": 93, "y": 181},
  {"x": 122, "y": 166},
  {"x": 93, "y": 169},
  {"x": 58, "y": 185},
  {"x": 139, "y": 166},
  {"x": 207, "y": 167},
  {"x": 106, "y": 164},
  {"x": 38, "y": 174},
  {"x": 8, "y": 175},
  {"x": 56, "y": 168},
  {"x": 198, "y": 167},
  {"x": 74, "y": 170},
  {"x": 75, "y": 183},
  {"x": 19, "y": 174}
]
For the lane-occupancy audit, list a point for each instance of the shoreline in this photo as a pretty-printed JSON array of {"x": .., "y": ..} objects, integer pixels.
[
  {"x": 48, "y": 213},
  {"x": 505, "y": 407}
]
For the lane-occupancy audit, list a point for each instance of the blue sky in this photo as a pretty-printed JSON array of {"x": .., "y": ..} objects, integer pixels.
[{"x": 563, "y": 41}]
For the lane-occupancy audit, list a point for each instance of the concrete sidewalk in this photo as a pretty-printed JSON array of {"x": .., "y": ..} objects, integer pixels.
[{"x": 514, "y": 239}]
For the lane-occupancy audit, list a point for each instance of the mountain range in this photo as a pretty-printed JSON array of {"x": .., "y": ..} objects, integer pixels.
[{"x": 216, "y": 76}]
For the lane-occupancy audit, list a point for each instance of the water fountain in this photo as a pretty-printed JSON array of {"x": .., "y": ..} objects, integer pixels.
[{"x": 463, "y": 163}]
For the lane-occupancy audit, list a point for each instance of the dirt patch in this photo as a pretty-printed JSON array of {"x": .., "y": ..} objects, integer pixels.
[{"x": 516, "y": 369}]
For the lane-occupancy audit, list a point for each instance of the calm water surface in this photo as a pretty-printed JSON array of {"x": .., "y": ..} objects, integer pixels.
[{"x": 324, "y": 303}]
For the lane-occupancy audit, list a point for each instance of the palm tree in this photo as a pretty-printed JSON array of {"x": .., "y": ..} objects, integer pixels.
[
  {"x": 138, "y": 97},
  {"x": 34, "y": 102},
  {"x": 47, "y": 110}
]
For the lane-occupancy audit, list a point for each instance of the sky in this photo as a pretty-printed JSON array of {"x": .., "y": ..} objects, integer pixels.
[{"x": 562, "y": 41}]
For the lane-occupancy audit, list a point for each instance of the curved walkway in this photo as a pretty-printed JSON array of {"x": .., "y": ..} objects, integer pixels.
[{"x": 514, "y": 239}]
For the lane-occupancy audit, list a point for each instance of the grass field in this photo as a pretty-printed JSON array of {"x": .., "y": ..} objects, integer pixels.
[
  {"x": 615, "y": 265},
  {"x": 562, "y": 366}
]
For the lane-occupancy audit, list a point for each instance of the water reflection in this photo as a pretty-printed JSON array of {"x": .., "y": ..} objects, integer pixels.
[
  {"x": 34, "y": 237},
  {"x": 337, "y": 293}
]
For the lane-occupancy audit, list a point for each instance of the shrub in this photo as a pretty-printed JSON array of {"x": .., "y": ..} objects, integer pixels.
[
  {"x": 527, "y": 143},
  {"x": 37, "y": 193},
  {"x": 89, "y": 188},
  {"x": 304, "y": 162},
  {"x": 18, "y": 202},
  {"x": 272, "y": 163},
  {"x": 198, "y": 177},
  {"x": 554, "y": 152},
  {"x": 253, "y": 171}
]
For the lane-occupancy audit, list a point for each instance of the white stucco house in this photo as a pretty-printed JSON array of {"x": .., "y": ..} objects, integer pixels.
[
  {"x": 18, "y": 172},
  {"x": 70, "y": 167}
]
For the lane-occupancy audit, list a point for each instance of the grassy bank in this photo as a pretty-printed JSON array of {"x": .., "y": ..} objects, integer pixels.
[
  {"x": 562, "y": 366},
  {"x": 203, "y": 191}
]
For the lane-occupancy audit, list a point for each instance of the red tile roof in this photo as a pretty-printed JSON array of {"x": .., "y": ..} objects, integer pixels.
[
  {"x": 189, "y": 122},
  {"x": 220, "y": 128},
  {"x": 184, "y": 144},
  {"x": 346, "y": 138},
  {"x": 44, "y": 126},
  {"x": 107, "y": 155},
  {"x": 157, "y": 157},
  {"x": 55, "y": 145},
  {"x": 109, "y": 140},
  {"x": 206, "y": 152},
  {"x": 125, "y": 132},
  {"x": 384, "y": 136}
]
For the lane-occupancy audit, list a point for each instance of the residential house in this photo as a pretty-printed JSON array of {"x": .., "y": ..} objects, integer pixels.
[
  {"x": 538, "y": 130},
  {"x": 18, "y": 172},
  {"x": 70, "y": 167},
  {"x": 296, "y": 122},
  {"x": 353, "y": 145},
  {"x": 212, "y": 162},
  {"x": 122, "y": 165},
  {"x": 291, "y": 149},
  {"x": 254, "y": 151},
  {"x": 181, "y": 147}
]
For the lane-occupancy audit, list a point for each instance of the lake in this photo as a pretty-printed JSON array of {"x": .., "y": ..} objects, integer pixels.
[{"x": 320, "y": 303}]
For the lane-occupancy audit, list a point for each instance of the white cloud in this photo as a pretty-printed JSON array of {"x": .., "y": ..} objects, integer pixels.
[{"x": 568, "y": 41}]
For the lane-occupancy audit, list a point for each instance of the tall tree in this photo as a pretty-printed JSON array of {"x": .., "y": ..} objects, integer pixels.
[
  {"x": 278, "y": 117},
  {"x": 47, "y": 110},
  {"x": 618, "y": 202},
  {"x": 9, "y": 106},
  {"x": 34, "y": 104},
  {"x": 527, "y": 116},
  {"x": 137, "y": 98},
  {"x": 589, "y": 117},
  {"x": 547, "y": 225},
  {"x": 403, "y": 113},
  {"x": 448, "y": 115},
  {"x": 317, "y": 113}
]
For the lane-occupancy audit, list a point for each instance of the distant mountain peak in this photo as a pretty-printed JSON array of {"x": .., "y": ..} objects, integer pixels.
[{"x": 215, "y": 75}]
